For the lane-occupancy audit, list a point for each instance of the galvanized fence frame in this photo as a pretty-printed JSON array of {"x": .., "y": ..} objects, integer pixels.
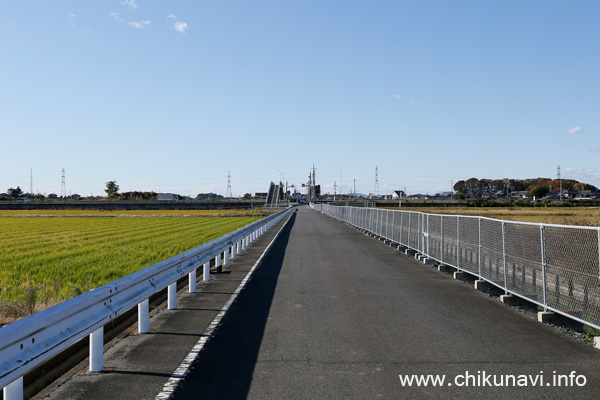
[
  {"x": 554, "y": 266},
  {"x": 31, "y": 341}
]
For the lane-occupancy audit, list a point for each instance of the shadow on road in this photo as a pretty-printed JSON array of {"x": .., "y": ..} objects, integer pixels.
[{"x": 225, "y": 367}]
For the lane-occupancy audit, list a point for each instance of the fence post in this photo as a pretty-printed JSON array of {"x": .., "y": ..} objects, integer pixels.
[
  {"x": 96, "y": 350},
  {"x": 599, "y": 255},
  {"x": 387, "y": 224},
  {"x": 458, "y": 242},
  {"x": 504, "y": 257},
  {"x": 544, "y": 277},
  {"x": 143, "y": 317},
  {"x": 393, "y": 226},
  {"x": 401, "y": 226},
  {"x": 206, "y": 272},
  {"x": 14, "y": 390},
  {"x": 479, "y": 248},
  {"x": 172, "y": 296},
  {"x": 442, "y": 249}
]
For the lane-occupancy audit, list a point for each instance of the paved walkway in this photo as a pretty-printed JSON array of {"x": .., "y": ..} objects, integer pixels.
[{"x": 334, "y": 314}]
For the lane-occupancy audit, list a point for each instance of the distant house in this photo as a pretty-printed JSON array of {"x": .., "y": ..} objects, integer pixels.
[
  {"x": 260, "y": 195},
  {"x": 398, "y": 194},
  {"x": 75, "y": 196},
  {"x": 585, "y": 195},
  {"x": 522, "y": 194},
  {"x": 53, "y": 196},
  {"x": 167, "y": 197},
  {"x": 444, "y": 195}
]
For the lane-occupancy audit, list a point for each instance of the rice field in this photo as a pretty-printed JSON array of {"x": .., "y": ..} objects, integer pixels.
[{"x": 46, "y": 260}]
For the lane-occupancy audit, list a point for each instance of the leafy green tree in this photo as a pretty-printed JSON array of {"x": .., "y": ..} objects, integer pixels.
[
  {"x": 112, "y": 189},
  {"x": 539, "y": 191},
  {"x": 15, "y": 192}
]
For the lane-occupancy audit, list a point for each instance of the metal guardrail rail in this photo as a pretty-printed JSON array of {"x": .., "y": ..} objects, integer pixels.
[
  {"x": 554, "y": 266},
  {"x": 31, "y": 341}
]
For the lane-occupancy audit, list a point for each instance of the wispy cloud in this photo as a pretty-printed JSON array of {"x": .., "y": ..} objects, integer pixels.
[
  {"x": 139, "y": 25},
  {"x": 412, "y": 103},
  {"x": 583, "y": 174},
  {"x": 574, "y": 130},
  {"x": 170, "y": 16},
  {"x": 594, "y": 149},
  {"x": 398, "y": 97},
  {"x": 130, "y": 3},
  {"x": 181, "y": 27},
  {"x": 116, "y": 16}
]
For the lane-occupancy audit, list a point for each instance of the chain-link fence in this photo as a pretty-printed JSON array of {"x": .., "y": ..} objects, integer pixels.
[{"x": 556, "y": 267}]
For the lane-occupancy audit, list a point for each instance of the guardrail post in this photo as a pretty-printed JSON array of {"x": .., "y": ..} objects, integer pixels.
[
  {"x": 218, "y": 260},
  {"x": 172, "y": 296},
  {"x": 206, "y": 272},
  {"x": 143, "y": 317},
  {"x": 192, "y": 281},
  {"x": 97, "y": 350},
  {"x": 226, "y": 256},
  {"x": 233, "y": 251},
  {"x": 14, "y": 390}
]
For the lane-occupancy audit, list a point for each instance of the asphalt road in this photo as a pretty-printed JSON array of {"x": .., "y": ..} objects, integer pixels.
[{"x": 334, "y": 314}]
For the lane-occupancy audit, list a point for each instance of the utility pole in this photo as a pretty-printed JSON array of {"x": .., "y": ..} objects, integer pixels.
[
  {"x": 334, "y": 188},
  {"x": 31, "y": 181}
]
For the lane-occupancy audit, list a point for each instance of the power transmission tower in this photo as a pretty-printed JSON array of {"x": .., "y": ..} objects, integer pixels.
[
  {"x": 560, "y": 183},
  {"x": 229, "y": 194},
  {"x": 63, "y": 186},
  {"x": 376, "y": 190}
]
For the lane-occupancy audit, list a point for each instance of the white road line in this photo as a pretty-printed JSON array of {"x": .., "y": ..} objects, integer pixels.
[{"x": 181, "y": 372}]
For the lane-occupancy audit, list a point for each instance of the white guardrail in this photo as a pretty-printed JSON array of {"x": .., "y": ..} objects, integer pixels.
[
  {"x": 31, "y": 341},
  {"x": 554, "y": 266}
]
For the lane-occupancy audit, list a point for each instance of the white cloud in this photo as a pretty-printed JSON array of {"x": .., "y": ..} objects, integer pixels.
[
  {"x": 594, "y": 149},
  {"x": 574, "y": 130},
  {"x": 397, "y": 97},
  {"x": 116, "y": 16},
  {"x": 583, "y": 174},
  {"x": 130, "y": 3},
  {"x": 170, "y": 16},
  {"x": 181, "y": 27},
  {"x": 412, "y": 103},
  {"x": 139, "y": 25}
]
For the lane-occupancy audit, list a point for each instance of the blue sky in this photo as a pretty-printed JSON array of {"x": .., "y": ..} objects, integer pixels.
[{"x": 170, "y": 96}]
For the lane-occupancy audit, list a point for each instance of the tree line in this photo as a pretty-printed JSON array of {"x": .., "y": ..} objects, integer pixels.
[{"x": 538, "y": 187}]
